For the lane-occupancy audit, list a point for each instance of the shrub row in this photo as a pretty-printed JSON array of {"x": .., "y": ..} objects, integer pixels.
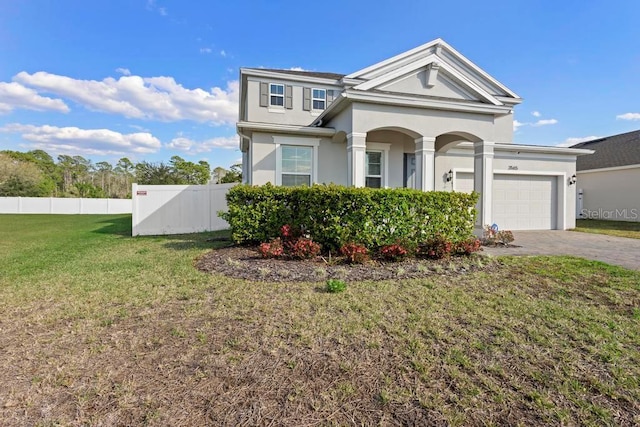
[
  {"x": 334, "y": 215},
  {"x": 434, "y": 248}
]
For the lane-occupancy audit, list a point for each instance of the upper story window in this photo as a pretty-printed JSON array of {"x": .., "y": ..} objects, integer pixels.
[
  {"x": 319, "y": 99},
  {"x": 276, "y": 95}
]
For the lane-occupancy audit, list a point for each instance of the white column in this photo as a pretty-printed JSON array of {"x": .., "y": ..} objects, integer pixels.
[
  {"x": 425, "y": 163},
  {"x": 483, "y": 181},
  {"x": 356, "y": 148}
]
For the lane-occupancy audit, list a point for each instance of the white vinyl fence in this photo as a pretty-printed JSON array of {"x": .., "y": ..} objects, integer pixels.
[
  {"x": 58, "y": 205},
  {"x": 178, "y": 209}
]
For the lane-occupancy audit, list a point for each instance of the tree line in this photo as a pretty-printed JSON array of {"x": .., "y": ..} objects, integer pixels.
[{"x": 36, "y": 174}]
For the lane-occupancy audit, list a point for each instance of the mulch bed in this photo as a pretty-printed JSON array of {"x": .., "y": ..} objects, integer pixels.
[{"x": 246, "y": 263}]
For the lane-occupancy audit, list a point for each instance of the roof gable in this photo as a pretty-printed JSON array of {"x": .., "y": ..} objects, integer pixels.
[
  {"x": 437, "y": 55},
  {"x": 612, "y": 151},
  {"x": 419, "y": 83}
]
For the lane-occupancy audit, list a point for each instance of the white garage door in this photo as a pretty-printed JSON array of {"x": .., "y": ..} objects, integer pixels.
[
  {"x": 463, "y": 182},
  {"x": 525, "y": 202}
]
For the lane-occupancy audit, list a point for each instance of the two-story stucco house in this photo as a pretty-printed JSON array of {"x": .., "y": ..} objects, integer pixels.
[{"x": 428, "y": 119}]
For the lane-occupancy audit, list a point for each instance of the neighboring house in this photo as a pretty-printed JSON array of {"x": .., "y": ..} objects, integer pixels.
[
  {"x": 428, "y": 119},
  {"x": 609, "y": 180}
]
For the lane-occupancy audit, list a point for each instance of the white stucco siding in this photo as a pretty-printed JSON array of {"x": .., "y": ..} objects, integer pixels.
[
  {"x": 611, "y": 194},
  {"x": 416, "y": 83},
  {"x": 504, "y": 128},
  {"x": 263, "y": 157},
  {"x": 455, "y": 160},
  {"x": 426, "y": 122},
  {"x": 332, "y": 160},
  {"x": 279, "y": 115},
  {"x": 343, "y": 121}
]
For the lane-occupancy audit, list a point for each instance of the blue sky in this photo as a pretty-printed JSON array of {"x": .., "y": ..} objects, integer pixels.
[{"x": 149, "y": 79}]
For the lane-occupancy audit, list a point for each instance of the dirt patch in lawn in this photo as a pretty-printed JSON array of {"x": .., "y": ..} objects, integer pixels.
[{"x": 246, "y": 263}]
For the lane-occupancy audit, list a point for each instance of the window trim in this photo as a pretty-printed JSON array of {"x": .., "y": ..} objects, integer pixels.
[
  {"x": 277, "y": 95},
  {"x": 380, "y": 147},
  {"x": 313, "y": 98},
  {"x": 279, "y": 141}
]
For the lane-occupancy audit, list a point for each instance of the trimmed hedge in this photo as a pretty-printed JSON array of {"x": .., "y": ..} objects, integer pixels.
[{"x": 334, "y": 215}]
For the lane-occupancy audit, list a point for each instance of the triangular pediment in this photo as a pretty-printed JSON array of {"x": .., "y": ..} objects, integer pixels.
[
  {"x": 434, "y": 69},
  {"x": 422, "y": 83}
]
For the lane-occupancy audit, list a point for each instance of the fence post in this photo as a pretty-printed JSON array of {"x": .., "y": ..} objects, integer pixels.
[
  {"x": 19, "y": 204},
  {"x": 211, "y": 199},
  {"x": 134, "y": 209}
]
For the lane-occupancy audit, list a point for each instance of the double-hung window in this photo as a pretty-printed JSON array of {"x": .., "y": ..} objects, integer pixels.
[
  {"x": 296, "y": 160},
  {"x": 276, "y": 95},
  {"x": 373, "y": 169},
  {"x": 319, "y": 99},
  {"x": 376, "y": 165},
  {"x": 297, "y": 165}
]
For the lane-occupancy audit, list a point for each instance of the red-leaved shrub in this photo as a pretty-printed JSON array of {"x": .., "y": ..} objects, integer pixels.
[
  {"x": 304, "y": 248},
  {"x": 437, "y": 247},
  {"x": 272, "y": 249},
  {"x": 355, "y": 253},
  {"x": 469, "y": 246},
  {"x": 394, "y": 252}
]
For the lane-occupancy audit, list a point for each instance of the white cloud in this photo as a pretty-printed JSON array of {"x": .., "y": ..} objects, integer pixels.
[
  {"x": 536, "y": 114},
  {"x": 545, "y": 122},
  {"x": 153, "y": 98},
  {"x": 123, "y": 71},
  {"x": 190, "y": 146},
  {"x": 72, "y": 140},
  {"x": 205, "y": 50},
  {"x": 223, "y": 53},
  {"x": 14, "y": 95},
  {"x": 297, "y": 69},
  {"x": 576, "y": 140},
  {"x": 629, "y": 116},
  {"x": 152, "y": 5},
  {"x": 517, "y": 124}
]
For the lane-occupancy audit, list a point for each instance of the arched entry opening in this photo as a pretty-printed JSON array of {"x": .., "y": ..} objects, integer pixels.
[{"x": 390, "y": 157}]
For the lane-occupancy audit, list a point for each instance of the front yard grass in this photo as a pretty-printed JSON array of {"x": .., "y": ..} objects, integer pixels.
[
  {"x": 612, "y": 228},
  {"x": 99, "y": 328}
]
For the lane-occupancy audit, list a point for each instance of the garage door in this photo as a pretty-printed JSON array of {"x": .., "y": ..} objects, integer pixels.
[{"x": 525, "y": 202}]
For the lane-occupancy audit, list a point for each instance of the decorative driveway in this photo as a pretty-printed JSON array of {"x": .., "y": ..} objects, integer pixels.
[{"x": 612, "y": 250}]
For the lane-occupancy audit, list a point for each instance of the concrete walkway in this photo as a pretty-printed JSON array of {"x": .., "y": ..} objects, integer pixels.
[{"x": 612, "y": 250}]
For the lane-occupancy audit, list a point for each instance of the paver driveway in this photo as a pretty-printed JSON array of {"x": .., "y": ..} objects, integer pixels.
[{"x": 610, "y": 249}]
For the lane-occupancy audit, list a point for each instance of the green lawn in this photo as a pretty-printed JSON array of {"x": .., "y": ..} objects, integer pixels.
[
  {"x": 612, "y": 228},
  {"x": 98, "y": 328}
]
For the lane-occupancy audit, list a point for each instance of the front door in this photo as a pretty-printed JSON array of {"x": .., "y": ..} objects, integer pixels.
[{"x": 409, "y": 170}]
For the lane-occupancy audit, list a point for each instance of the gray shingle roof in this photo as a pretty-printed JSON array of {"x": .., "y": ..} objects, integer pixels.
[
  {"x": 331, "y": 76},
  {"x": 612, "y": 151}
]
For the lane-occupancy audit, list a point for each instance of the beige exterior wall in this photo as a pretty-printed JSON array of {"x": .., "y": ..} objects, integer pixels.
[
  {"x": 428, "y": 122},
  {"x": 611, "y": 194},
  {"x": 416, "y": 83},
  {"x": 280, "y": 115},
  {"x": 332, "y": 160},
  {"x": 332, "y": 166}
]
